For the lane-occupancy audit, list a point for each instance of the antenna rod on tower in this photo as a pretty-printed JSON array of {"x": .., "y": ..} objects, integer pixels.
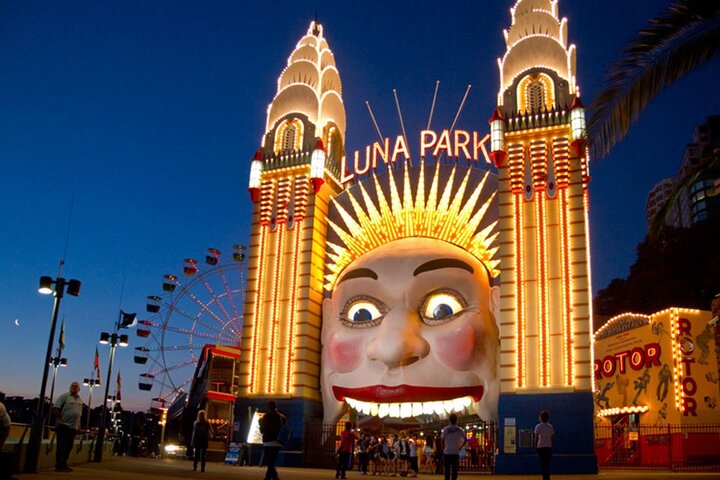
[
  {"x": 462, "y": 104},
  {"x": 457, "y": 115},
  {"x": 432, "y": 106},
  {"x": 402, "y": 124},
  {"x": 372, "y": 116}
]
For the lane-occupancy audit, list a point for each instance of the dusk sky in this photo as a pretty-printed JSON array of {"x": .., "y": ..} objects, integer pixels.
[{"x": 147, "y": 113}]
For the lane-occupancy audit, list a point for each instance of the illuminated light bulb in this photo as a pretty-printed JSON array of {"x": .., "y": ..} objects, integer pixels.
[
  {"x": 577, "y": 124},
  {"x": 255, "y": 173},
  {"x": 317, "y": 166},
  {"x": 497, "y": 138}
]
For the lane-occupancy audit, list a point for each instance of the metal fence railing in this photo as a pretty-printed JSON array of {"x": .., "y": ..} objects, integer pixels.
[
  {"x": 320, "y": 442},
  {"x": 673, "y": 447}
]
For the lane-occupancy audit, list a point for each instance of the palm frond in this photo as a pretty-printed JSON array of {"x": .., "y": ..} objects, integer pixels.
[{"x": 685, "y": 36}]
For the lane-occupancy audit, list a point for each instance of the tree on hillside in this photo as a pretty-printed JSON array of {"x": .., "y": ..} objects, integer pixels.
[{"x": 680, "y": 268}]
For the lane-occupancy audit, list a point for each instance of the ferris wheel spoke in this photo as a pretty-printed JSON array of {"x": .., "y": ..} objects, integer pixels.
[
  {"x": 205, "y": 308},
  {"x": 216, "y": 300},
  {"x": 228, "y": 292},
  {"x": 160, "y": 348},
  {"x": 173, "y": 367},
  {"x": 196, "y": 320},
  {"x": 214, "y": 331}
]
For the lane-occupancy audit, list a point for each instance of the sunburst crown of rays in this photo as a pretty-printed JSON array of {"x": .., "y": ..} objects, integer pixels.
[{"x": 439, "y": 212}]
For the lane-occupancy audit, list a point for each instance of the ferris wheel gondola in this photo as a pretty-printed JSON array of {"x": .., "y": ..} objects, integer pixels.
[{"x": 201, "y": 306}]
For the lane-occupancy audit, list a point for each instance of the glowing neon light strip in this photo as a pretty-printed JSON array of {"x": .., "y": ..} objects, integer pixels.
[
  {"x": 566, "y": 299},
  {"x": 273, "y": 315},
  {"x": 542, "y": 289},
  {"x": 588, "y": 264},
  {"x": 290, "y": 363},
  {"x": 258, "y": 310},
  {"x": 519, "y": 291}
]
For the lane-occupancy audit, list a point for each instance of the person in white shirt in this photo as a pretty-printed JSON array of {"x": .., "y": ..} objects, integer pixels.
[
  {"x": 453, "y": 438},
  {"x": 68, "y": 410},
  {"x": 544, "y": 433}
]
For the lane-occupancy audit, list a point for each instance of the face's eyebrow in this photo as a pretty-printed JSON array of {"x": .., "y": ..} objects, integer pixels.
[
  {"x": 442, "y": 263},
  {"x": 358, "y": 273}
]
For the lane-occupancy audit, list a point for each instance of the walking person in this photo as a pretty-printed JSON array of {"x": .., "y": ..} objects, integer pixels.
[
  {"x": 453, "y": 438},
  {"x": 68, "y": 411},
  {"x": 364, "y": 453},
  {"x": 544, "y": 434},
  {"x": 345, "y": 450},
  {"x": 202, "y": 431},
  {"x": 270, "y": 426},
  {"x": 413, "y": 456},
  {"x": 429, "y": 455}
]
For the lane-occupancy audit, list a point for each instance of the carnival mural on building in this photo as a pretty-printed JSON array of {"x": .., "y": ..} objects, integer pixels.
[{"x": 663, "y": 366}]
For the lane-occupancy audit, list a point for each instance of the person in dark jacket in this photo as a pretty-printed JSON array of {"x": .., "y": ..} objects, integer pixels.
[
  {"x": 270, "y": 426},
  {"x": 202, "y": 431}
]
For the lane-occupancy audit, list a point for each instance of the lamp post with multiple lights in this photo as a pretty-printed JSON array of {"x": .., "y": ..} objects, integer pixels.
[
  {"x": 56, "y": 362},
  {"x": 114, "y": 339},
  {"x": 61, "y": 286},
  {"x": 91, "y": 383}
]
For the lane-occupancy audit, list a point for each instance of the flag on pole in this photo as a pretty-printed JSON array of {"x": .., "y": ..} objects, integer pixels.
[
  {"x": 127, "y": 320},
  {"x": 96, "y": 363},
  {"x": 61, "y": 340},
  {"x": 117, "y": 392}
]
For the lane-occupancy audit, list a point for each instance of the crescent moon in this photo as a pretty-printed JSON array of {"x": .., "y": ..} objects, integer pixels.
[{"x": 17, "y": 322}]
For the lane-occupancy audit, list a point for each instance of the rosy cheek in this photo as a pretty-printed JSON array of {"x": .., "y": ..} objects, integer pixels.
[
  {"x": 345, "y": 355},
  {"x": 457, "y": 348}
]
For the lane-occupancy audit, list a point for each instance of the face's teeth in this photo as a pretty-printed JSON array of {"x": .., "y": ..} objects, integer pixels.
[{"x": 407, "y": 409}]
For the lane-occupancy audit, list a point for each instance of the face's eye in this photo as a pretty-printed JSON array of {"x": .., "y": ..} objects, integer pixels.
[
  {"x": 441, "y": 306},
  {"x": 363, "y": 312}
]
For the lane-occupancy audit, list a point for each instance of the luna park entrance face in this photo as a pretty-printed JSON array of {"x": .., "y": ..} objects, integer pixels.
[{"x": 382, "y": 445}]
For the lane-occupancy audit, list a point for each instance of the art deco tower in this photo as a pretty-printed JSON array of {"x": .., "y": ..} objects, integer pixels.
[
  {"x": 293, "y": 176},
  {"x": 538, "y": 146}
]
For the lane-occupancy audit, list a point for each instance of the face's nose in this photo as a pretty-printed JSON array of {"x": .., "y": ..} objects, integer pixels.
[{"x": 399, "y": 342}]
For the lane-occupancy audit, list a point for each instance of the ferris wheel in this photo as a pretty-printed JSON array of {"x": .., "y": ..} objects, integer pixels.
[{"x": 203, "y": 305}]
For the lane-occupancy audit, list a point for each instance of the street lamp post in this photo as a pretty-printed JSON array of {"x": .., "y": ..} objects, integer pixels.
[
  {"x": 36, "y": 432},
  {"x": 56, "y": 362},
  {"x": 91, "y": 383},
  {"x": 114, "y": 339}
]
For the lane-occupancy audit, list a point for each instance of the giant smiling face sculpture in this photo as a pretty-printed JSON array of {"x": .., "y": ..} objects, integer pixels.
[{"x": 409, "y": 330}]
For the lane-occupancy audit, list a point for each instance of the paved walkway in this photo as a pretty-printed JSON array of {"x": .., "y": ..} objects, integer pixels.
[{"x": 128, "y": 468}]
